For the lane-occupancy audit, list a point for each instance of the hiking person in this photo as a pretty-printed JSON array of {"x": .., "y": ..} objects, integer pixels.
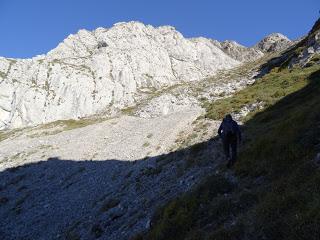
[{"x": 230, "y": 133}]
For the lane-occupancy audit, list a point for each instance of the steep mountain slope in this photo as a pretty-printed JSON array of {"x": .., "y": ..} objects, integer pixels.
[{"x": 273, "y": 192}]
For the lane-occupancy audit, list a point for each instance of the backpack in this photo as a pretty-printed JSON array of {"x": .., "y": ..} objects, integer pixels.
[{"x": 229, "y": 129}]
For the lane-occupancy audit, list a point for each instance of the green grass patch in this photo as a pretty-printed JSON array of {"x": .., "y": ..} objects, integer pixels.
[
  {"x": 284, "y": 140},
  {"x": 146, "y": 144},
  {"x": 72, "y": 124},
  {"x": 315, "y": 59},
  {"x": 4, "y": 135},
  {"x": 268, "y": 90},
  {"x": 64, "y": 125},
  {"x": 51, "y": 128}
]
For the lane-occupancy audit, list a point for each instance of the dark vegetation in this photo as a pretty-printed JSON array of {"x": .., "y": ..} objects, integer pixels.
[{"x": 276, "y": 194}]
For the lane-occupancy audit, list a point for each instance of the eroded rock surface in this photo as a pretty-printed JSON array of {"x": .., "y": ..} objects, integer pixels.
[
  {"x": 104, "y": 70},
  {"x": 239, "y": 52},
  {"x": 274, "y": 42},
  {"x": 94, "y": 72}
]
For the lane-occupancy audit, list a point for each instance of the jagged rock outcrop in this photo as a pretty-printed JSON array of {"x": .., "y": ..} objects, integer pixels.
[
  {"x": 308, "y": 49},
  {"x": 239, "y": 52},
  {"x": 303, "y": 53},
  {"x": 274, "y": 42}
]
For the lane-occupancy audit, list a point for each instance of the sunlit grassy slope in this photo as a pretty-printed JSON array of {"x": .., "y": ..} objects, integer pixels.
[
  {"x": 277, "y": 192},
  {"x": 268, "y": 90}
]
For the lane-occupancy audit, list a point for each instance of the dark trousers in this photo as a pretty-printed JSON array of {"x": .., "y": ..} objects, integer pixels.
[{"x": 230, "y": 142}]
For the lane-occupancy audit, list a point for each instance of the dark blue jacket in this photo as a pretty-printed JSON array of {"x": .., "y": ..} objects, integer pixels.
[{"x": 229, "y": 124}]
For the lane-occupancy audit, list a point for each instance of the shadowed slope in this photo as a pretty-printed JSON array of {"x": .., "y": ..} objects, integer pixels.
[
  {"x": 106, "y": 199},
  {"x": 277, "y": 194}
]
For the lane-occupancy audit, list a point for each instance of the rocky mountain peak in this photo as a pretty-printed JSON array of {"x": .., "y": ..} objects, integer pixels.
[
  {"x": 122, "y": 35},
  {"x": 273, "y": 42},
  {"x": 303, "y": 52}
]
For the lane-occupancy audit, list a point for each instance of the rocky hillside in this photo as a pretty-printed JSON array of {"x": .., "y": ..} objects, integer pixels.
[
  {"x": 105, "y": 176},
  {"x": 302, "y": 54},
  {"x": 105, "y": 70},
  {"x": 238, "y": 51},
  {"x": 274, "y": 42},
  {"x": 273, "y": 191}
]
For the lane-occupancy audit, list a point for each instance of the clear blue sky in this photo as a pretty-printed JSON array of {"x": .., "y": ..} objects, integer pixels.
[{"x": 31, "y": 27}]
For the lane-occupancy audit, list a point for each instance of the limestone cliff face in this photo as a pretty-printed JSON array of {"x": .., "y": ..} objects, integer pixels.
[
  {"x": 273, "y": 43},
  {"x": 104, "y": 70},
  {"x": 91, "y": 72},
  {"x": 239, "y": 52}
]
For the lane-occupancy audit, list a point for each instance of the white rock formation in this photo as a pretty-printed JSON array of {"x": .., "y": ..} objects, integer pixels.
[
  {"x": 90, "y": 72},
  {"x": 273, "y": 43},
  {"x": 239, "y": 52},
  {"x": 103, "y": 70}
]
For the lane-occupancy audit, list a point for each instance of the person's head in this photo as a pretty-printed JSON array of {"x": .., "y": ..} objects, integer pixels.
[{"x": 228, "y": 117}]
